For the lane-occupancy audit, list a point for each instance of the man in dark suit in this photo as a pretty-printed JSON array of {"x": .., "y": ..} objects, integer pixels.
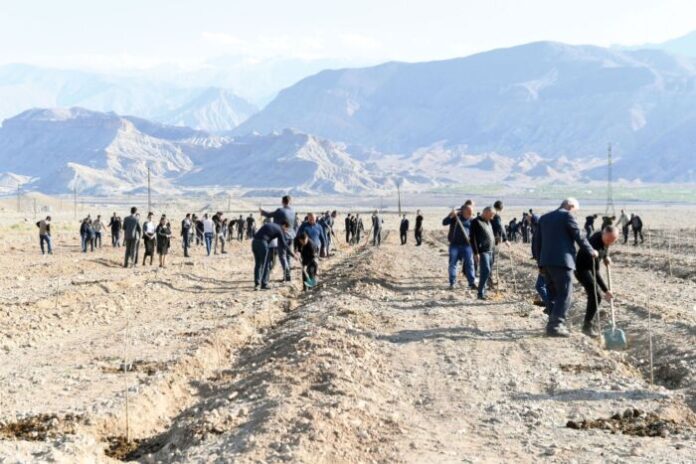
[
  {"x": 131, "y": 234},
  {"x": 558, "y": 232},
  {"x": 403, "y": 230}
]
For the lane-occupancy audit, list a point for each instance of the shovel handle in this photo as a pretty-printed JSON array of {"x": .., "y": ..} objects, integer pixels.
[{"x": 611, "y": 302}]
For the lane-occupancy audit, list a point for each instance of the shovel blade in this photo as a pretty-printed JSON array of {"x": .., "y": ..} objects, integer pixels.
[
  {"x": 615, "y": 339},
  {"x": 309, "y": 282}
]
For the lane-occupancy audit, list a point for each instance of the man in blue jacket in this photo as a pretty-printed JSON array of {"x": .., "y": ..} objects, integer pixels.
[
  {"x": 460, "y": 248},
  {"x": 283, "y": 214},
  {"x": 558, "y": 232},
  {"x": 314, "y": 231}
]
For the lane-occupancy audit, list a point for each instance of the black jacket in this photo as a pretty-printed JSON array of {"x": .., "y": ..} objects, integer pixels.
[
  {"x": 307, "y": 253},
  {"x": 498, "y": 231},
  {"x": 583, "y": 261},
  {"x": 636, "y": 223},
  {"x": 482, "y": 238}
]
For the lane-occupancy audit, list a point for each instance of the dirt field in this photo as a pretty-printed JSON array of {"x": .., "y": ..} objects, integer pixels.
[{"x": 381, "y": 363}]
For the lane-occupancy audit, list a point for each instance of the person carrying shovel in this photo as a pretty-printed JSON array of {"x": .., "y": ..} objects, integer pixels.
[
  {"x": 587, "y": 273},
  {"x": 310, "y": 264},
  {"x": 460, "y": 247}
]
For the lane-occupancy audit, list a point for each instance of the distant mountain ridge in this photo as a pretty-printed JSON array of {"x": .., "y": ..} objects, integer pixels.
[
  {"x": 58, "y": 150},
  {"x": 546, "y": 98}
]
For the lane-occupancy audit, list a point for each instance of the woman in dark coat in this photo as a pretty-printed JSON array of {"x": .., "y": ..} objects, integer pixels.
[{"x": 164, "y": 237}]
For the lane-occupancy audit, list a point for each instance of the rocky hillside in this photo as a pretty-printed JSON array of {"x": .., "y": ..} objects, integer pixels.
[
  {"x": 545, "y": 98},
  {"x": 104, "y": 153}
]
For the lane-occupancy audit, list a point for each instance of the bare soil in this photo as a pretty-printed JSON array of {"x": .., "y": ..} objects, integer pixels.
[{"x": 380, "y": 363}]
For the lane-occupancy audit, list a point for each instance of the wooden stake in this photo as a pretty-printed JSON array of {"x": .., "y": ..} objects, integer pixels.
[
  {"x": 669, "y": 252},
  {"x": 647, "y": 305}
]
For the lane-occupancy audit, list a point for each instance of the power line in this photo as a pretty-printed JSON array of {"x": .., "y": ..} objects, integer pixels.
[
  {"x": 149, "y": 195},
  {"x": 610, "y": 211}
]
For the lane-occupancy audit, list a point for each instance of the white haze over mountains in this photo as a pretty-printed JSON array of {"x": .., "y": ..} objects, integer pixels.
[
  {"x": 211, "y": 108},
  {"x": 537, "y": 113}
]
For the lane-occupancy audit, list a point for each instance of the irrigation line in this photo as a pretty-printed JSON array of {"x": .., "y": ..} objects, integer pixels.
[
  {"x": 669, "y": 252},
  {"x": 514, "y": 275},
  {"x": 648, "y": 307},
  {"x": 125, "y": 369}
]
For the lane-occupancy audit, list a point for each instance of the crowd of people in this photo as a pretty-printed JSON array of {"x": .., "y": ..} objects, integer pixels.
[
  {"x": 552, "y": 237},
  {"x": 473, "y": 236}
]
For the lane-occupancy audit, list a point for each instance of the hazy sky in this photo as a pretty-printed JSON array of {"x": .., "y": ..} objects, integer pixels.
[{"x": 132, "y": 34}]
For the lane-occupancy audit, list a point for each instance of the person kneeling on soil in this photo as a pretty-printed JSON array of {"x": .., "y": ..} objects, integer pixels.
[
  {"x": 600, "y": 241},
  {"x": 310, "y": 264}
]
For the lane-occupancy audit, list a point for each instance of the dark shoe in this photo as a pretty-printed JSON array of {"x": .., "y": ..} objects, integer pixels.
[
  {"x": 560, "y": 331},
  {"x": 590, "y": 331},
  {"x": 547, "y": 311},
  {"x": 482, "y": 297},
  {"x": 265, "y": 287},
  {"x": 256, "y": 287},
  {"x": 473, "y": 287},
  {"x": 539, "y": 302}
]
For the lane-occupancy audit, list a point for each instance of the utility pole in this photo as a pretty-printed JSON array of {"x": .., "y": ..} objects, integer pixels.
[
  {"x": 149, "y": 195},
  {"x": 610, "y": 211},
  {"x": 398, "y": 191}
]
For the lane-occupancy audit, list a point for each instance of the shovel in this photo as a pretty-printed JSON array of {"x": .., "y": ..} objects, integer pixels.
[
  {"x": 614, "y": 339},
  {"x": 309, "y": 282}
]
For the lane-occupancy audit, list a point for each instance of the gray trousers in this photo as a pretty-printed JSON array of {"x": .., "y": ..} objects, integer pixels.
[{"x": 131, "y": 249}]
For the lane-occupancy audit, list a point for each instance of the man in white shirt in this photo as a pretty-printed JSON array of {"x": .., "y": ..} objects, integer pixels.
[
  {"x": 208, "y": 232},
  {"x": 624, "y": 222}
]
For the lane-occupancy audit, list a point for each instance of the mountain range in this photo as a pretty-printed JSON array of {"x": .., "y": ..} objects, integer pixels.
[
  {"x": 546, "y": 98},
  {"x": 61, "y": 150},
  {"x": 532, "y": 114}
]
